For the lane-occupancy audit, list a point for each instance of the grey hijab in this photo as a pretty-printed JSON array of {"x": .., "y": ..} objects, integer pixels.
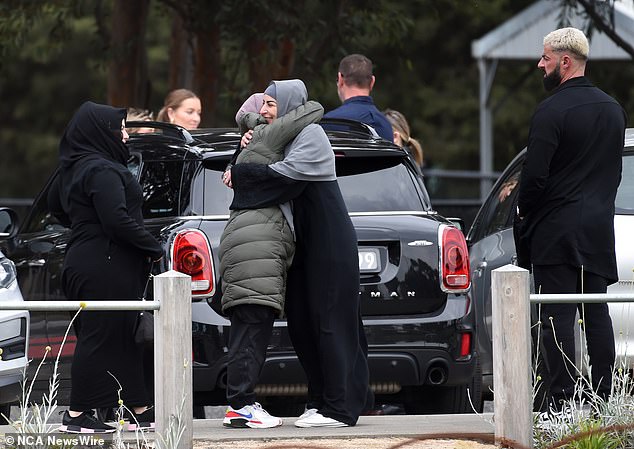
[
  {"x": 309, "y": 157},
  {"x": 289, "y": 94}
]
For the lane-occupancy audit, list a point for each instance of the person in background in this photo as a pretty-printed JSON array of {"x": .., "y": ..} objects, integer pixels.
[
  {"x": 182, "y": 107},
  {"x": 354, "y": 84},
  {"x": 402, "y": 138},
  {"x": 565, "y": 214},
  {"x": 322, "y": 295},
  {"x": 139, "y": 115},
  {"x": 108, "y": 256}
]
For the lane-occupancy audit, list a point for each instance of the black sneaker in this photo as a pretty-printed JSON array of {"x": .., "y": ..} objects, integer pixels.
[
  {"x": 141, "y": 421},
  {"x": 84, "y": 423}
]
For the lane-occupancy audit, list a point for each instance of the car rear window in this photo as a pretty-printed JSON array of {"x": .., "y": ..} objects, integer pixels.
[
  {"x": 380, "y": 189},
  {"x": 217, "y": 197},
  {"x": 161, "y": 184},
  {"x": 367, "y": 185},
  {"x": 624, "y": 202}
]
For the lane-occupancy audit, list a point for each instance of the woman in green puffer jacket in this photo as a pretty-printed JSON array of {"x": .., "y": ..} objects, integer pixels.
[
  {"x": 256, "y": 249},
  {"x": 257, "y": 245}
]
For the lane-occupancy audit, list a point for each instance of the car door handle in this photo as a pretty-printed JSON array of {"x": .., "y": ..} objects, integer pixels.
[{"x": 32, "y": 263}]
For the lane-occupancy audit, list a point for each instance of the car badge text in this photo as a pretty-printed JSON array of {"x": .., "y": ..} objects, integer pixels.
[{"x": 420, "y": 243}]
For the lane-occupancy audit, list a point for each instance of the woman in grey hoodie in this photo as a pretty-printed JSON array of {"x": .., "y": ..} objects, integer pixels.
[
  {"x": 256, "y": 250},
  {"x": 322, "y": 295}
]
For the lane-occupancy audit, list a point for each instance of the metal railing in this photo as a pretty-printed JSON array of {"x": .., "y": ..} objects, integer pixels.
[
  {"x": 173, "y": 401},
  {"x": 512, "y": 399}
]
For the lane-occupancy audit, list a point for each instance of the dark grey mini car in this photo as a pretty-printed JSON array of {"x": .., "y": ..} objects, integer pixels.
[
  {"x": 415, "y": 276},
  {"x": 491, "y": 246}
]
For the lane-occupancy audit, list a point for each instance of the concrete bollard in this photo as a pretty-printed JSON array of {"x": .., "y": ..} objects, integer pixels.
[
  {"x": 173, "y": 357},
  {"x": 512, "y": 403}
]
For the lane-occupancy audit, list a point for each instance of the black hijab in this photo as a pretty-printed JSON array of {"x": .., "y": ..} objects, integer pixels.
[{"x": 94, "y": 132}]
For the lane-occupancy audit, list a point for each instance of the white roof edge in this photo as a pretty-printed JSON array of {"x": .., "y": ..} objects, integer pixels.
[
  {"x": 481, "y": 47},
  {"x": 624, "y": 18},
  {"x": 484, "y": 46}
]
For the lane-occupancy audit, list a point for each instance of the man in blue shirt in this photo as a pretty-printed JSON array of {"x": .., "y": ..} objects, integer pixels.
[{"x": 354, "y": 83}]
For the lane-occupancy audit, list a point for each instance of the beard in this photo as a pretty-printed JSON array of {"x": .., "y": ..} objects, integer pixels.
[{"x": 552, "y": 79}]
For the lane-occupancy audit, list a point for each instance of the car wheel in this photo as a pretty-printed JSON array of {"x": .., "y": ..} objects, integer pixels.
[{"x": 466, "y": 398}]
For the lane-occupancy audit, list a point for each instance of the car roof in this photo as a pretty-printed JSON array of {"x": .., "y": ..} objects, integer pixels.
[{"x": 205, "y": 142}]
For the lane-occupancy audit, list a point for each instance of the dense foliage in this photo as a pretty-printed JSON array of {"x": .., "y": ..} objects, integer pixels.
[{"x": 59, "y": 53}]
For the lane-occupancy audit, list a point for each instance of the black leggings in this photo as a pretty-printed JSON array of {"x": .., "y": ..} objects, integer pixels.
[{"x": 249, "y": 336}]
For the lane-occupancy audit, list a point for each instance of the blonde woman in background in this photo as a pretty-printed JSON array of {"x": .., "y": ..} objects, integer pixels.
[
  {"x": 182, "y": 107},
  {"x": 402, "y": 137},
  {"x": 139, "y": 115}
]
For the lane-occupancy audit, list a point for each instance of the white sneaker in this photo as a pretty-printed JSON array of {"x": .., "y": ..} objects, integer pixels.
[
  {"x": 307, "y": 413},
  {"x": 316, "y": 419},
  {"x": 250, "y": 416}
]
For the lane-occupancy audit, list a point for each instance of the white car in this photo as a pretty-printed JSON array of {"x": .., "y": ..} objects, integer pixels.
[
  {"x": 623, "y": 313},
  {"x": 14, "y": 337}
]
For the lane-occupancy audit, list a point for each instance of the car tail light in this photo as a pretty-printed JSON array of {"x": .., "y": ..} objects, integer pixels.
[
  {"x": 191, "y": 255},
  {"x": 454, "y": 260},
  {"x": 465, "y": 344}
]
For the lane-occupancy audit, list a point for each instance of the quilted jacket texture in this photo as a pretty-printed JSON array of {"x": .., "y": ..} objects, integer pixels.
[{"x": 257, "y": 247}]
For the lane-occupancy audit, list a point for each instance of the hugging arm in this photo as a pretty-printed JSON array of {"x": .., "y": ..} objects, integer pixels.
[
  {"x": 284, "y": 129},
  {"x": 257, "y": 185}
]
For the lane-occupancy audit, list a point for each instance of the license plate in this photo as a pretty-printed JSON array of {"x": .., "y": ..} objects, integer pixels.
[{"x": 369, "y": 261}]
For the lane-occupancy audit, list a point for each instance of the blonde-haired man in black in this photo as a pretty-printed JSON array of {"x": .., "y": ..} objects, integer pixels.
[{"x": 565, "y": 216}]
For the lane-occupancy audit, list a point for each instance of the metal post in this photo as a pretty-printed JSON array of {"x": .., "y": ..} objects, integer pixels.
[
  {"x": 512, "y": 401},
  {"x": 173, "y": 357},
  {"x": 487, "y": 68}
]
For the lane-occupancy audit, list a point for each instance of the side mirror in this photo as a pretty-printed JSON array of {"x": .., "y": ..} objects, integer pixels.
[{"x": 8, "y": 222}]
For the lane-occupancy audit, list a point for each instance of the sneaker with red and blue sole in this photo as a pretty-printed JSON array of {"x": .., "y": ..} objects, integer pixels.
[{"x": 250, "y": 417}]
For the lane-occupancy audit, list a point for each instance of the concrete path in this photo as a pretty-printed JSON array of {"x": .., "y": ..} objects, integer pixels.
[
  {"x": 453, "y": 426},
  {"x": 428, "y": 426}
]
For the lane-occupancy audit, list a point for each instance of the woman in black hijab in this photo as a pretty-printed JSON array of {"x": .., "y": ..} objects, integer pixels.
[{"x": 108, "y": 257}]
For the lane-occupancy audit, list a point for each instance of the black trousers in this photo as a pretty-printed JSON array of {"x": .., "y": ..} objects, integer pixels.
[
  {"x": 249, "y": 336},
  {"x": 558, "y": 323}
]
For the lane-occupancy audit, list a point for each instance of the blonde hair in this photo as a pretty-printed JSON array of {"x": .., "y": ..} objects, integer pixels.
[
  {"x": 138, "y": 115},
  {"x": 172, "y": 101},
  {"x": 568, "y": 39},
  {"x": 400, "y": 125}
]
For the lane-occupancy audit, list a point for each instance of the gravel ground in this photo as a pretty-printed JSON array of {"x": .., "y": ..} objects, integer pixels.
[{"x": 352, "y": 443}]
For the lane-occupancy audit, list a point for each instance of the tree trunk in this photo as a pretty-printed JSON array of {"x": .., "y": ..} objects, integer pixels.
[
  {"x": 180, "y": 56},
  {"x": 207, "y": 71},
  {"x": 266, "y": 64},
  {"x": 127, "y": 69},
  {"x": 257, "y": 57},
  {"x": 285, "y": 58}
]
